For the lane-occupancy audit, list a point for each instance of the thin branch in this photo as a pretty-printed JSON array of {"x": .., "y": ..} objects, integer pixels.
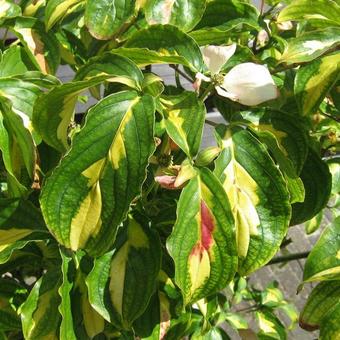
[
  {"x": 330, "y": 117},
  {"x": 211, "y": 123},
  {"x": 287, "y": 258},
  {"x": 261, "y": 7},
  {"x": 183, "y": 74}
]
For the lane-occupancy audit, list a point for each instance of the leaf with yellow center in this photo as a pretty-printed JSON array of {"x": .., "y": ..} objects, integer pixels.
[
  {"x": 258, "y": 196},
  {"x": 86, "y": 222}
]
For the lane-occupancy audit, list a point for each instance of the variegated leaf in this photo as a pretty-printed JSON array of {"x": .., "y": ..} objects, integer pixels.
[
  {"x": 310, "y": 45},
  {"x": 184, "y": 116},
  {"x": 42, "y": 47},
  {"x": 19, "y": 220},
  {"x": 54, "y": 110},
  {"x": 183, "y": 13},
  {"x": 103, "y": 18},
  {"x": 123, "y": 280},
  {"x": 57, "y": 9},
  {"x": 168, "y": 41},
  {"x": 9, "y": 9},
  {"x": 88, "y": 195},
  {"x": 314, "y": 80},
  {"x": 317, "y": 181},
  {"x": 321, "y": 301},
  {"x": 202, "y": 243},
  {"x": 323, "y": 262},
  {"x": 258, "y": 197},
  {"x": 39, "y": 314}
]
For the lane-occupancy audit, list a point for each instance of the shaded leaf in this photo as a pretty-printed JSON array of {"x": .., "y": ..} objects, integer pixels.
[
  {"x": 317, "y": 182},
  {"x": 321, "y": 301},
  {"x": 123, "y": 280},
  {"x": 39, "y": 314}
]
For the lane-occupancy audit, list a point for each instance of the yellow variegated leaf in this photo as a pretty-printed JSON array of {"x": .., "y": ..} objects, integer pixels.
[{"x": 257, "y": 194}]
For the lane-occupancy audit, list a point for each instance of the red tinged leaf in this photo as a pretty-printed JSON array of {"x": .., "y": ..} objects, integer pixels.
[
  {"x": 203, "y": 242},
  {"x": 207, "y": 226}
]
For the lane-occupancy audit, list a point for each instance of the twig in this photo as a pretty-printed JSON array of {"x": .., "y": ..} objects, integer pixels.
[
  {"x": 287, "y": 258},
  {"x": 211, "y": 123},
  {"x": 330, "y": 116},
  {"x": 184, "y": 75}
]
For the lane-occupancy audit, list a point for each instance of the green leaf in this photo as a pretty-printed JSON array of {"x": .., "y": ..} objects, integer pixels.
[
  {"x": 65, "y": 307},
  {"x": 182, "y": 13},
  {"x": 317, "y": 181},
  {"x": 17, "y": 142},
  {"x": 9, "y": 320},
  {"x": 54, "y": 110},
  {"x": 325, "y": 11},
  {"x": 237, "y": 321},
  {"x": 330, "y": 325},
  {"x": 310, "y": 45},
  {"x": 7, "y": 250},
  {"x": 202, "y": 243},
  {"x": 37, "y": 78},
  {"x": 168, "y": 41},
  {"x": 56, "y": 10},
  {"x": 217, "y": 34},
  {"x": 334, "y": 168},
  {"x": 321, "y": 301},
  {"x": 89, "y": 193},
  {"x": 114, "y": 67},
  {"x": 313, "y": 81},
  {"x": 143, "y": 57},
  {"x": 11, "y": 62},
  {"x": 285, "y": 137},
  {"x": 155, "y": 321},
  {"x": 22, "y": 95},
  {"x": 323, "y": 262},
  {"x": 18, "y": 220},
  {"x": 122, "y": 281},
  {"x": 39, "y": 314},
  {"x": 258, "y": 197},
  {"x": 8, "y": 9},
  {"x": 272, "y": 296},
  {"x": 184, "y": 116},
  {"x": 42, "y": 47},
  {"x": 218, "y": 12},
  {"x": 314, "y": 223},
  {"x": 103, "y": 18}
]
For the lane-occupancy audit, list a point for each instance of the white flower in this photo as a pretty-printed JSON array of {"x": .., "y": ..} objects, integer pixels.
[{"x": 246, "y": 83}]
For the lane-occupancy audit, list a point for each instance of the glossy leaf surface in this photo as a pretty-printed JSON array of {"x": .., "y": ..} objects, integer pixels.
[
  {"x": 89, "y": 193},
  {"x": 183, "y": 13},
  {"x": 314, "y": 80},
  {"x": 323, "y": 262},
  {"x": 123, "y": 280},
  {"x": 202, "y": 243},
  {"x": 258, "y": 197},
  {"x": 168, "y": 41},
  {"x": 184, "y": 116}
]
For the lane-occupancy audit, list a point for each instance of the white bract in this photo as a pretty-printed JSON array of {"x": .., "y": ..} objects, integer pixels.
[{"x": 246, "y": 83}]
